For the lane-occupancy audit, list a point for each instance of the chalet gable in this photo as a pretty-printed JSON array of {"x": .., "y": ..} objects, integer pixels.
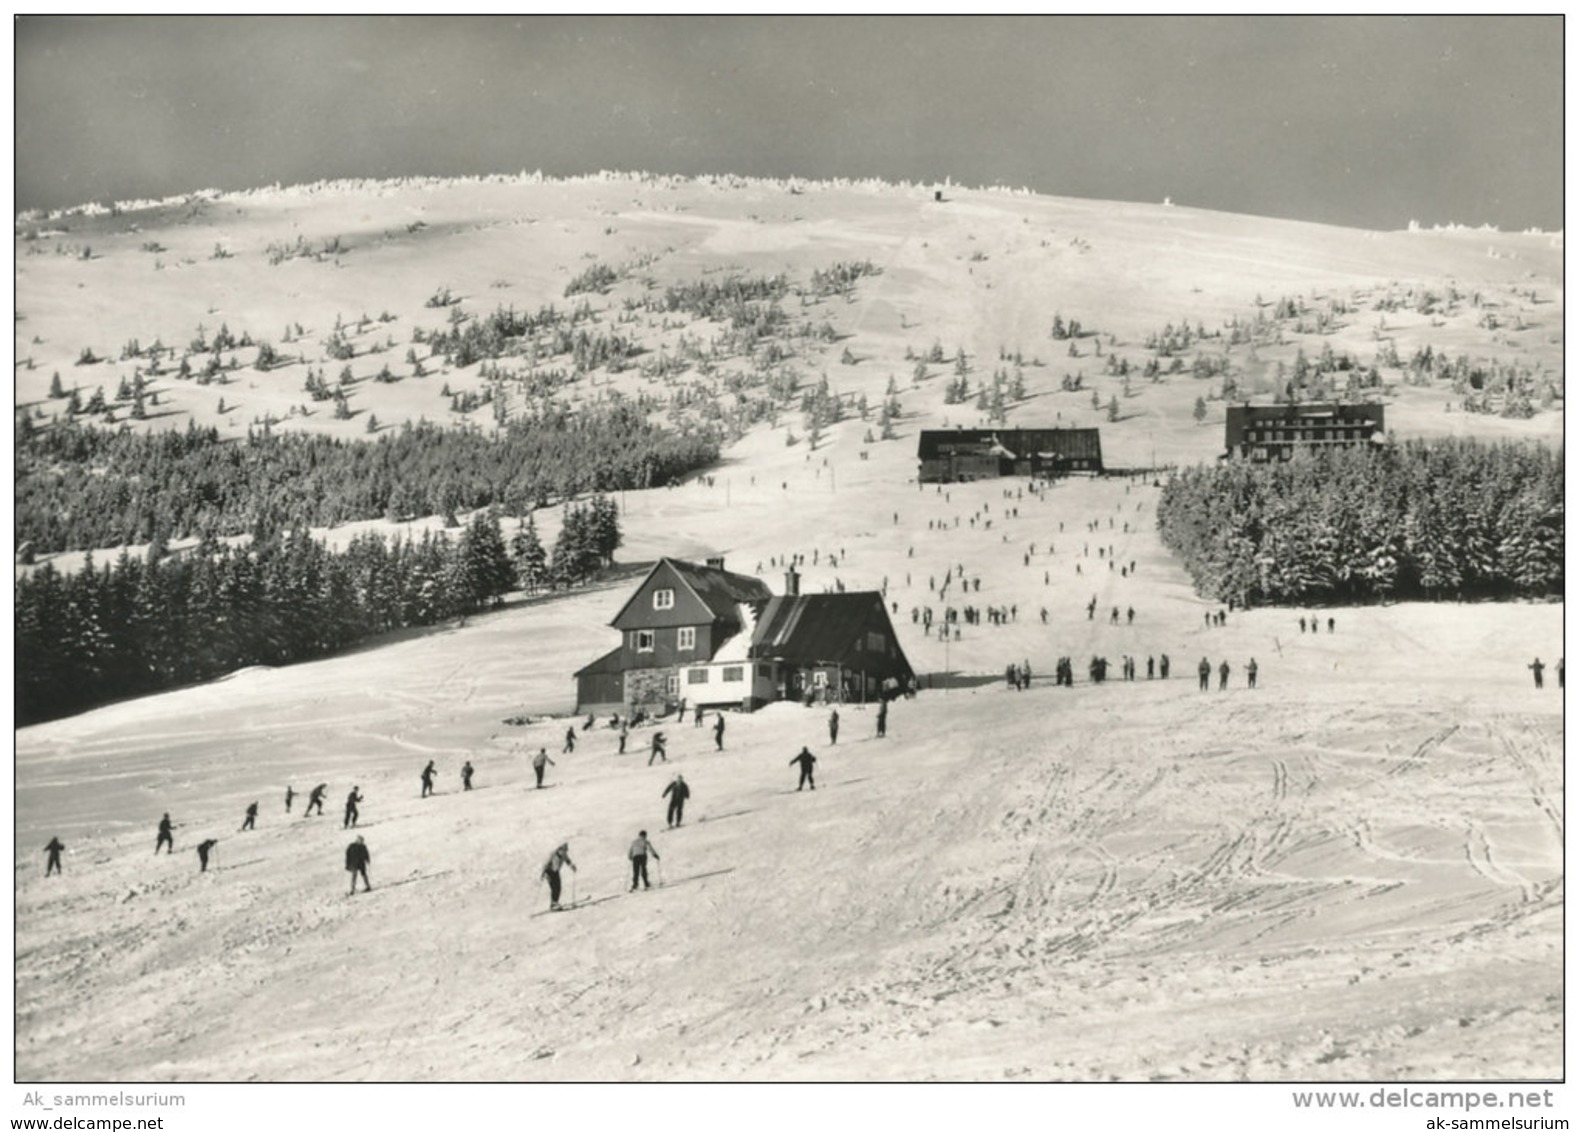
[{"x": 676, "y": 593}]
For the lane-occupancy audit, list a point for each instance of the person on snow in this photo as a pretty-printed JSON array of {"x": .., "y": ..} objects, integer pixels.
[
  {"x": 718, "y": 732},
  {"x": 624, "y": 734},
  {"x": 252, "y": 816},
  {"x": 882, "y": 718},
  {"x": 1222, "y": 675},
  {"x": 290, "y": 796},
  {"x": 677, "y": 792},
  {"x": 315, "y": 799},
  {"x": 657, "y": 751},
  {"x": 352, "y": 801},
  {"x": 833, "y": 727},
  {"x": 1250, "y": 672},
  {"x": 557, "y": 860},
  {"x": 1162, "y": 666},
  {"x": 1205, "y": 670},
  {"x": 639, "y": 850},
  {"x": 466, "y": 775},
  {"x": 539, "y": 761},
  {"x": 202, "y": 854},
  {"x": 1537, "y": 668},
  {"x": 427, "y": 778},
  {"x": 807, "y": 760},
  {"x": 570, "y": 741},
  {"x": 166, "y": 837},
  {"x": 357, "y": 858},
  {"x": 54, "y": 849}
]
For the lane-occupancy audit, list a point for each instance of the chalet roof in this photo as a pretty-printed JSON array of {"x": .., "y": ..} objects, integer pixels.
[
  {"x": 719, "y": 590},
  {"x": 1066, "y": 443},
  {"x": 608, "y": 663},
  {"x": 811, "y": 628}
]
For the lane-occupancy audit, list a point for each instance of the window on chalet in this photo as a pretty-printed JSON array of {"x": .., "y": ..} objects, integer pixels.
[
  {"x": 687, "y": 638},
  {"x": 663, "y": 599},
  {"x": 644, "y": 640},
  {"x": 734, "y": 674},
  {"x": 764, "y": 670},
  {"x": 696, "y": 676},
  {"x": 671, "y": 685}
]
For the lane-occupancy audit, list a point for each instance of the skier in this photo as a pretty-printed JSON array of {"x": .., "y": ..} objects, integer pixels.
[
  {"x": 807, "y": 760},
  {"x": 882, "y": 718},
  {"x": 1302, "y": 625},
  {"x": 54, "y": 849},
  {"x": 639, "y": 850},
  {"x": 833, "y": 727},
  {"x": 1222, "y": 675},
  {"x": 556, "y": 860},
  {"x": 570, "y": 741},
  {"x": 657, "y": 751},
  {"x": 1537, "y": 667},
  {"x": 677, "y": 792},
  {"x": 357, "y": 858},
  {"x": 624, "y": 734},
  {"x": 352, "y": 801},
  {"x": 698, "y": 715},
  {"x": 1332, "y": 624},
  {"x": 427, "y": 778},
  {"x": 1162, "y": 666},
  {"x": 315, "y": 799},
  {"x": 1151, "y": 667},
  {"x": 539, "y": 761},
  {"x": 290, "y": 795},
  {"x": 1131, "y": 615},
  {"x": 1250, "y": 672},
  {"x": 1205, "y": 669},
  {"x": 466, "y": 775},
  {"x": 252, "y": 816},
  {"x": 202, "y": 854},
  {"x": 718, "y": 732},
  {"x": 166, "y": 837}
]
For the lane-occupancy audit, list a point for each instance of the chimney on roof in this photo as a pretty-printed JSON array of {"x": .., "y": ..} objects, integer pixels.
[
  {"x": 791, "y": 583},
  {"x": 716, "y": 563}
]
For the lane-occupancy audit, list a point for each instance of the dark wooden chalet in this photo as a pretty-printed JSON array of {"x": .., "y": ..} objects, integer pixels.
[
  {"x": 680, "y": 616},
  {"x": 954, "y": 455},
  {"x": 1276, "y": 432},
  {"x": 712, "y": 638}
]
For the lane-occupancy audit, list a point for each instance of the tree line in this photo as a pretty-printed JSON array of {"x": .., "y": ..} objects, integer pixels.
[
  {"x": 1435, "y": 520},
  {"x": 137, "y": 626},
  {"x": 81, "y": 487}
]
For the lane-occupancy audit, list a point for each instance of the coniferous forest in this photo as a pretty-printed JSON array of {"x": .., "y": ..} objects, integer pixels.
[
  {"x": 133, "y": 627},
  {"x": 1420, "y": 520},
  {"x": 80, "y": 487}
]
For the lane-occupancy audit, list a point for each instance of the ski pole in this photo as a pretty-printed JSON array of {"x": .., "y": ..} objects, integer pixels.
[
  {"x": 660, "y": 870},
  {"x": 572, "y": 888}
]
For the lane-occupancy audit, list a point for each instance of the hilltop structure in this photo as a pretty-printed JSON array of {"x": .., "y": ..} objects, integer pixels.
[
  {"x": 719, "y": 639},
  {"x": 959, "y": 454},
  {"x": 1276, "y": 432}
]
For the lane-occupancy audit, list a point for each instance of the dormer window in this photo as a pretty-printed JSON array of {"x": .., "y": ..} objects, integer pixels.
[{"x": 663, "y": 599}]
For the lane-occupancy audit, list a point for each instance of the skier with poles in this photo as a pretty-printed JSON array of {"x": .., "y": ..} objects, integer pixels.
[
  {"x": 557, "y": 860},
  {"x": 639, "y": 851}
]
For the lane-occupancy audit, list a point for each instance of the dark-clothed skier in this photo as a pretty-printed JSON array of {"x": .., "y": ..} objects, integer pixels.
[
  {"x": 657, "y": 751},
  {"x": 1537, "y": 668},
  {"x": 1205, "y": 669},
  {"x": 427, "y": 778},
  {"x": 677, "y": 792},
  {"x": 570, "y": 741},
  {"x": 202, "y": 854},
  {"x": 539, "y": 761},
  {"x": 807, "y": 760},
  {"x": 252, "y": 816},
  {"x": 54, "y": 849},
  {"x": 639, "y": 850},
  {"x": 833, "y": 726},
  {"x": 357, "y": 858},
  {"x": 352, "y": 801},
  {"x": 1222, "y": 675},
  {"x": 166, "y": 836},
  {"x": 718, "y": 732},
  {"x": 556, "y": 860},
  {"x": 882, "y": 719},
  {"x": 624, "y": 734},
  {"x": 1250, "y": 672},
  {"x": 315, "y": 799},
  {"x": 290, "y": 796},
  {"x": 466, "y": 775},
  {"x": 1162, "y": 666}
]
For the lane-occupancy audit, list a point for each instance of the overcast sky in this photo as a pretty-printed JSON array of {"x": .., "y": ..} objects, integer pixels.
[{"x": 1363, "y": 121}]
